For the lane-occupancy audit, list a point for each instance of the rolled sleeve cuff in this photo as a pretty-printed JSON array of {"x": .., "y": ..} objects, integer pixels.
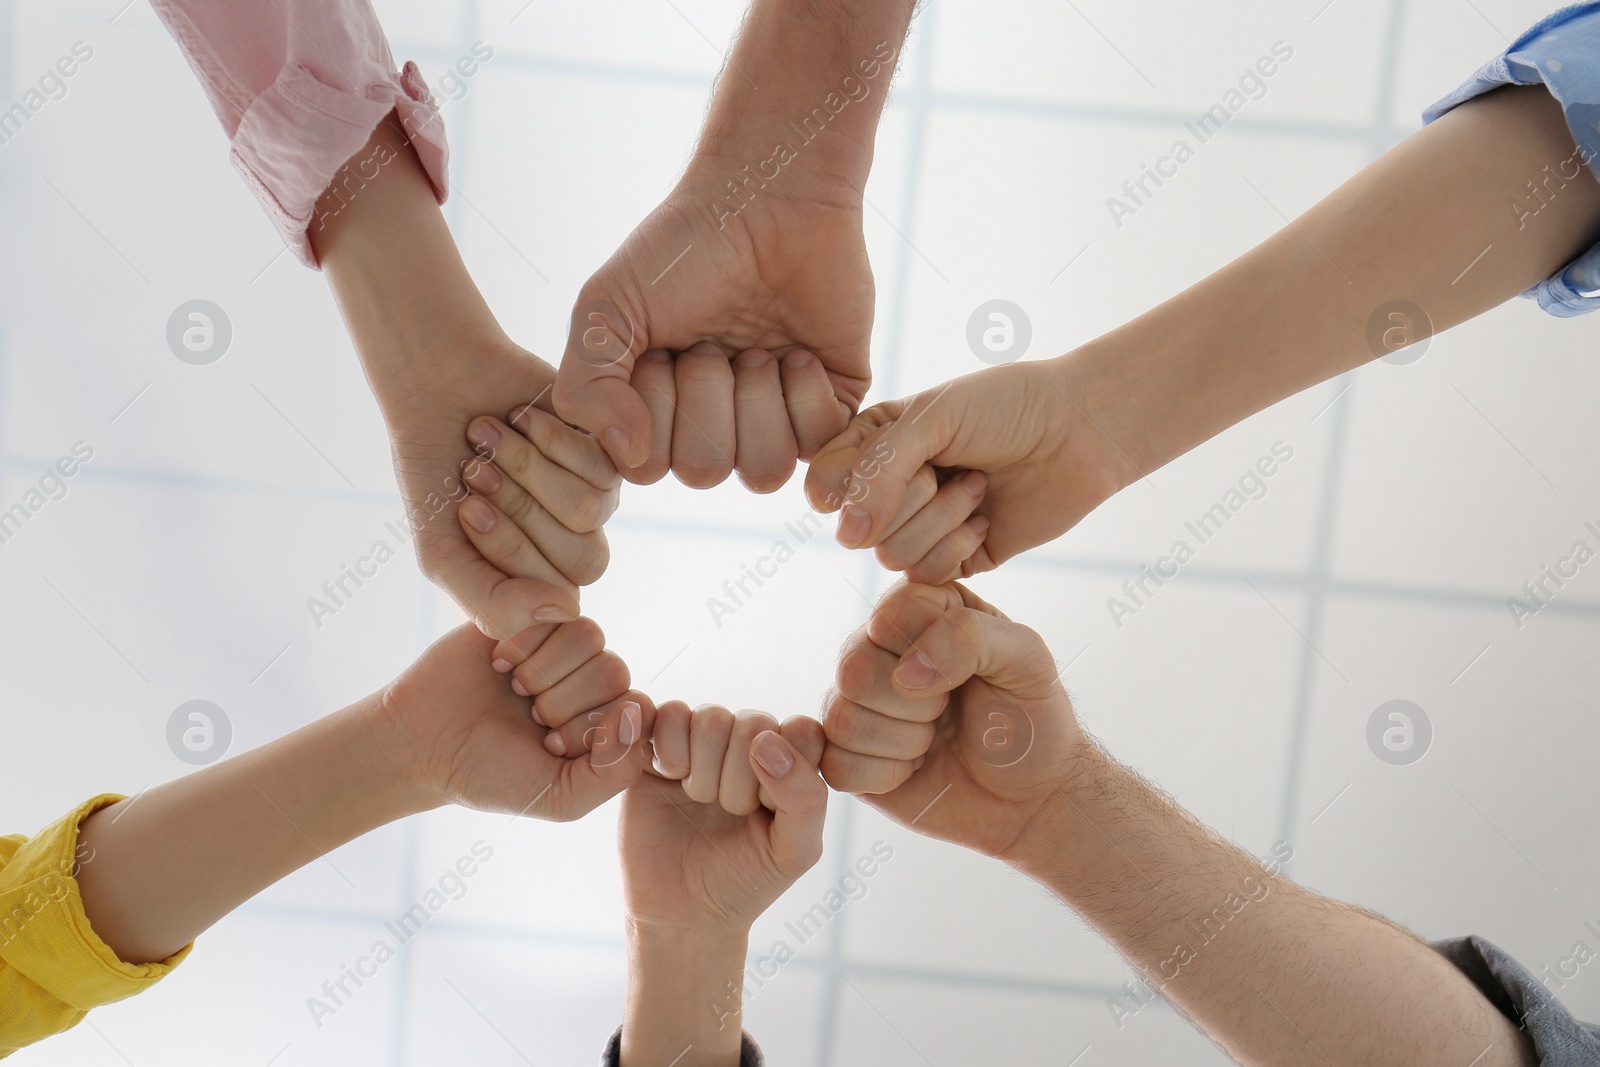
[
  {"x": 749, "y": 1051},
  {"x": 1561, "y": 52},
  {"x": 1559, "y": 1040},
  {"x": 45, "y": 934},
  {"x": 298, "y": 133}
]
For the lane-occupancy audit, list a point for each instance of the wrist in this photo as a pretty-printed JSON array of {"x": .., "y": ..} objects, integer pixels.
[
  {"x": 824, "y": 71},
  {"x": 405, "y": 294},
  {"x": 400, "y": 770},
  {"x": 685, "y": 989},
  {"x": 1055, "y": 835},
  {"x": 1103, "y": 450},
  {"x": 711, "y": 945}
]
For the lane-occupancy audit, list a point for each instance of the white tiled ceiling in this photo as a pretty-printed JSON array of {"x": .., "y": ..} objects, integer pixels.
[{"x": 1375, "y": 567}]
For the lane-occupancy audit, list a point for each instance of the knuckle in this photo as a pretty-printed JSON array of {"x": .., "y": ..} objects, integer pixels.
[
  {"x": 586, "y": 634},
  {"x": 741, "y": 805},
  {"x": 893, "y": 557},
  {"x": 857, "y": 671},
  {"x": 518, "y": 506},
  {"x": 766, "y": 476},
  {"x": 590, "y": 560},
  {"x": 695, "y": 369},
  {"x": 715, "y": 717},
  {"x": 841, "y": 723},
  {"x": 700, "y": 473},
  {"x": 967, "y": 624},
  {"x": 614, "y": 673},
  {"x": 835, "y": 769},
  {"x": 649, "y": 472},
  {"x": 753, "y": 724},
  {"x": 699, "y": 791},
  {"x": 589, "y": 511}
]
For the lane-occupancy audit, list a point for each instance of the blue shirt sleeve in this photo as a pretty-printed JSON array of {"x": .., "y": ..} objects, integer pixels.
[{"x": 1561, "y": 52}]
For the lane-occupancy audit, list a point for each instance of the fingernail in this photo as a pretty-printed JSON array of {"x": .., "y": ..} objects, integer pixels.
[
  {"x": 534, "y": 713},
  {"x": 916, "y": 764},
  {"x": 770, "y": 751},
  {"x": 975, "y": 482},
  {"x": 521, "y": 419},
  {"x": 915, "y": 671},
  {"x": 619, "y": 444},
  {"x": 551, "y": 613},
  {"x": 979, "y": 524},
  {"x": 854, "y": 526},
  {"x": 629, "y": 730},
  {"x": 479, "y": 515},
  {"x": 518, "y": 688},
  {"x": 483, "y": 433},
  {"x": 484, "y": 477},
  {"x": 501, "y": 666},
  {"x": 555, "y": 744},
  {"x": 752, "y": 357},
  {"x": 798, "y": 358}
]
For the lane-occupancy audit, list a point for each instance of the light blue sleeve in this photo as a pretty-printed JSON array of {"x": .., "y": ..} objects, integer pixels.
[{"x": 1562, "y": 52}]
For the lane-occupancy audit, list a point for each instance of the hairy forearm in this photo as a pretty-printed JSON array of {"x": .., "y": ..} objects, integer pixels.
[
  {"x": 685, "y": 991},
  {"x": 169, "y": 862},
  {"x": 1432, "y": 222},
  {"x": 802, "y": 91},
  {"x": 405, "y": 294},
  {"x": 1271, "y": 971}
]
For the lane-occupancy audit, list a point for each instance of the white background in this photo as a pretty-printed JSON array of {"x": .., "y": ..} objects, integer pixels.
[{"x": 1377, "y": 567}]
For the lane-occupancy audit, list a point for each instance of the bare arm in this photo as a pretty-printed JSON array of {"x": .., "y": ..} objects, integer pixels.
[
  {"x": 170, "y": 862},
  {"x": 1271, "y": 971},
  {"x": 436, "y": 359},
  {"x": 1433, "y": 222},
  {"x": 749, "y": 284},
  {"x": 792, "y": 59},
  {"x": 1295, "y": 310}
]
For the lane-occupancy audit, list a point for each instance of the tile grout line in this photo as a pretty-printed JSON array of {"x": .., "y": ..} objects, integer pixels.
[
  {"x": 1318, "y": 581},
  {"x": 8, "y": 52},
  {"x": 1063, "y": 110},
  {"x": 428, "y": 613},
  {"x": 917, "y": 100}
]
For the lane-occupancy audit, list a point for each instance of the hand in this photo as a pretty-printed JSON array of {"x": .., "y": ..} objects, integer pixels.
[
  {"x": 555, "y": 484},
  {"x": 717, "y": 850},
  {"x": 428, "y": 424},
  {"x": 952, "y": 718},
  {"x": 1036, "y": 433},
  {"x": 540, "y": 502},
  {"x": 450, "y": 725},
  {"x": 436, "y": 359},
  {"x": 745, "y": 353}
]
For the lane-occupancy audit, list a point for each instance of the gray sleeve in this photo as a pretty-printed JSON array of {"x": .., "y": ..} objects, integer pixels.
[
  {"x": 1558, "y": 1038},
  {"x": 749, "y": 1052}
]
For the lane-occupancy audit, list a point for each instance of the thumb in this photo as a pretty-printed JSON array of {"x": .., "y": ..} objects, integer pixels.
[
  {"x": 976, "y": 641},
  {"x": 864, "y": 472},
  {"x": 799, "y": 799},
  {"x": 502, "y": 606},
  {"x": 615, "y": 760},
  {"x": 592, "y": 388}
]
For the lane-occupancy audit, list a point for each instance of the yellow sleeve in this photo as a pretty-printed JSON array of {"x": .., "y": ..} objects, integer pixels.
[{"x": 53, "y": 967}]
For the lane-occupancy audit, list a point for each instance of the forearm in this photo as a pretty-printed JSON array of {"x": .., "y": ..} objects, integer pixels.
[
  {"x": 1271, "y": 971},
  {"x": 811, "y": 76},
  {"x": 171, "y": 861},
  {"x": 685, "y": 993},
  {"x": 400, "y": 283},
  {"x": 1432, "y": 222}
]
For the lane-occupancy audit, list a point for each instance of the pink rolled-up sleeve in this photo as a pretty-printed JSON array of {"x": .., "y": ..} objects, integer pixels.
[{"x": 299, "y": 86}]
